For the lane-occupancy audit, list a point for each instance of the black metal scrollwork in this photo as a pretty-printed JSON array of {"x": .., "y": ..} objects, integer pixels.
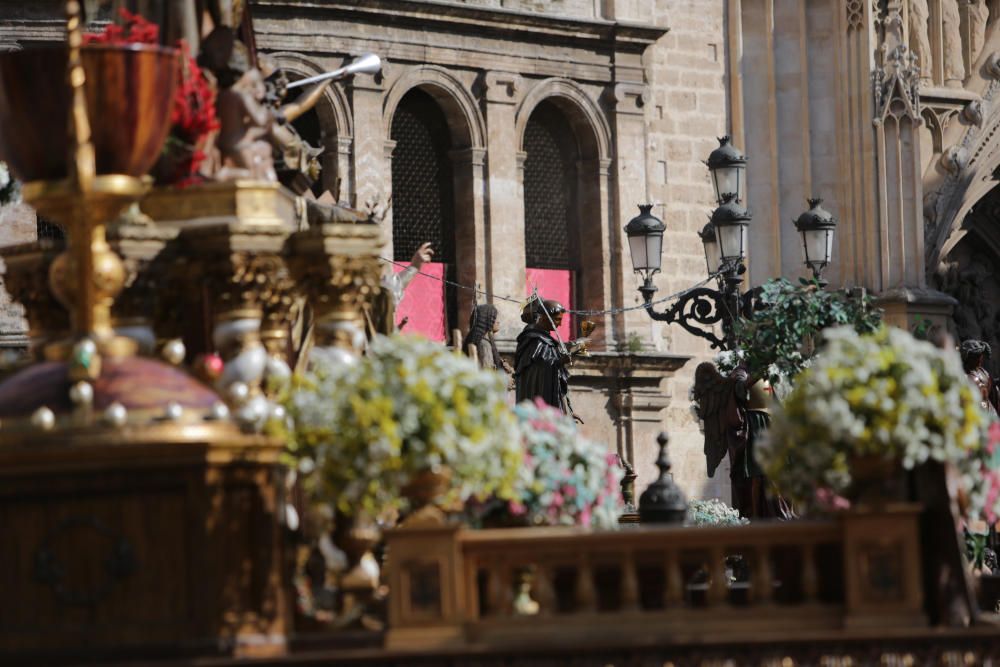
[
  {"x": 706, "y": 307},
  {"x": 117, "y": 563}
]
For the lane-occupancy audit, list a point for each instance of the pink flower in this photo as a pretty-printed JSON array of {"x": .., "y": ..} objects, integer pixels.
[
  {"x": 542, "y": 425},
  {"x": 557, "y": 499},
  {"x": 516, "y": 508},
  {"x": 994, "y": 437},
  {"x": 829, "y": 500},
  {"x": 585, "y": 517},
  {"x": 569, "y": 491}
]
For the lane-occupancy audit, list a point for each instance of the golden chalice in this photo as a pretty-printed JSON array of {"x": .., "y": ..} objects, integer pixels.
[{"x": 84, "y": 182}]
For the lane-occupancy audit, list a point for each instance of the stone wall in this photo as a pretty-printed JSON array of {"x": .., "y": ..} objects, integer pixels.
[
  {"x": 645, "y": 124},
  {"x": 687, "y": 111},
  {"x": 574, "y": 8}
]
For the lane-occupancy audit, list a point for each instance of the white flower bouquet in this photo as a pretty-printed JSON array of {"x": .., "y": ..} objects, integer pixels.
[
  {"x": 712, "y": 512},
  {"x": 408, "y": 406},
  {"x": 883, "y": 396}
]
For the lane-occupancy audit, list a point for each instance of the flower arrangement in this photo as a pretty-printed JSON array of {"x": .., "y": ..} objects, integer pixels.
[
  {"x": 565, "y": 478},
  {"x": 193, "y": 118},
  {"x": 406, "y": 407},
  {"x": 884, "y": 395},
  {"x": 713, "y": 512}
]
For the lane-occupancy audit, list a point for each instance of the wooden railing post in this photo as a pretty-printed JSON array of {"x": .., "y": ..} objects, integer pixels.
[
  {"x": 544, "y": 589},
  {"x": 810, "y": 577},
  {"x": 762, "y": 584},
  {"x": 674, "y": 588},
  {"x": 882, "y": 567},
  {"x": 718, "y": 586},
  {"x": 427, "y": 579},
  {"x": 586, "y": 595},
  {"x": 630, "y": 583}
]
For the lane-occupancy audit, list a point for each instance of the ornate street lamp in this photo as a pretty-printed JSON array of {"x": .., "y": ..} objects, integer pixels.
[
  {"x": 732, "y": 223},
  {"x": 713, "y": 260},
  {"x": 728, "y": 168},
  {"x": 725, "y": 239},
  {"x": 817, "y": 227},
  {"x": 645, "y": 241}
]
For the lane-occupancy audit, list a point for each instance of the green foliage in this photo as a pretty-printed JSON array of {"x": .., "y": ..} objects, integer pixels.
[
  {"x": 780, "y": 339},
  {"x": 632, "y": 345}
]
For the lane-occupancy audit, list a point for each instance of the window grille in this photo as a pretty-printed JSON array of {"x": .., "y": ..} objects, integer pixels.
[
  {"x": 549, "y": 173},
  {"x": 423, "y": 204}
]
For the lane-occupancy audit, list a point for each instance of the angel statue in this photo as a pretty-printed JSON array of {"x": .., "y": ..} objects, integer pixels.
[{"x": 735, "y": 413}]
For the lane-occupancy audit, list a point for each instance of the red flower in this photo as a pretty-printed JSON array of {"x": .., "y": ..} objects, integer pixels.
[{"x": 193, "y": 115}]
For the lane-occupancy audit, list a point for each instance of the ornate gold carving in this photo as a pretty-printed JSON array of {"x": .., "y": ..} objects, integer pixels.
[{"x": 338, "y": 268}]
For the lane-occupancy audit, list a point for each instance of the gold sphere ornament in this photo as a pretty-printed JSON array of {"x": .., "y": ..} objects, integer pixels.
[{"x": 43, "y": 419}]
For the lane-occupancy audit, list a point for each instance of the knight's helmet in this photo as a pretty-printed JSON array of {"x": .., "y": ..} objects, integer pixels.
[
  {"x": 536, "y": 308},
  {"x": 761, "y": 397}
]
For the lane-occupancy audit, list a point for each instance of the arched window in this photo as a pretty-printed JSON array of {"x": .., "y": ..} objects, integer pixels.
[
  {"x": 423, "y": 208},
  {"x": 551, "y": 229},
  {"x": 313, "y": 133}
]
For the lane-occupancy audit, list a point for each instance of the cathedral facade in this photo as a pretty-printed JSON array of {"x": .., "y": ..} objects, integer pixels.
[{"x": 519, "y": 136}]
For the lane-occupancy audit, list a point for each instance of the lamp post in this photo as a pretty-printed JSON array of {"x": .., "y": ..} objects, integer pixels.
[
  {"x": 728, "y": 167},
  {"x": 700, "y": 309},
  {"x": 817, "y": 227},
  {"x": 725, "y": 240}
]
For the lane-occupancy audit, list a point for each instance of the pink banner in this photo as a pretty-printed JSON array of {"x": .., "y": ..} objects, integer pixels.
[
  {"x": 422, "y": 307},
  {"x": 554, "y": 284}
]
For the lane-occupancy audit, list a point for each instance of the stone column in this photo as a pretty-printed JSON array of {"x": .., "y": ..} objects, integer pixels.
[
  {"x": 760, "y": 104},
  {"x": 901, "y": 276},
  {"x": 628, "y": 127},
  {"x": 372, "y": 176},
  {"x": 503, "y": 235},
  {"x": 468, "y": 166}
]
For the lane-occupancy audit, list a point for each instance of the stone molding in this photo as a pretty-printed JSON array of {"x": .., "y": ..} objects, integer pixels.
[
  {"x": 522, "y": 26},
  {"x": 501, "y": 87},
  {"x": 335, "y": 105},
  {"x": 453, "y": 96},
  {"x": 586, "y": 108},
  {"x": 630, "y": 98}
]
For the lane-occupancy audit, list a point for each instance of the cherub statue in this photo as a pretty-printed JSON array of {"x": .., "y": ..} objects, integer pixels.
[
  {"x": 735, "y": 413},
  {"x": 245, "y": 122}
]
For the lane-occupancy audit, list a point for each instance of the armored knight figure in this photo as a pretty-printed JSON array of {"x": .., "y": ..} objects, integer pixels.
[
  {"x": 541, "y": 361},
  {"x": 974, "y": 354}
]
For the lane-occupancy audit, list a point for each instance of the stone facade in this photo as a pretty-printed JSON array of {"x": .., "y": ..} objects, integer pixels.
[{"x": 821, "y": 95}]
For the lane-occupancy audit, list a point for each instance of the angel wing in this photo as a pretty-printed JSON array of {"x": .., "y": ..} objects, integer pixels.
[{"x": 715, "y": 397}]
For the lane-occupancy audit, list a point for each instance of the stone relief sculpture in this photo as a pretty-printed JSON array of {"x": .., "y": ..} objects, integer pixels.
[
  {"x": 951, "y": 36},
  {"x": 920, "y": 43},
  {"x": 979, "y": 14}
]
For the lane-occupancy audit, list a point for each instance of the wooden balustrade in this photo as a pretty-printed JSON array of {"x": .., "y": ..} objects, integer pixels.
[{"x": 452, "y": 586}]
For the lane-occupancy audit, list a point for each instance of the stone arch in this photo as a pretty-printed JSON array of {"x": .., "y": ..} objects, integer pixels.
[
  {"x": 468, "y": 129},
  {"x": 334, "y": 109},
  {"x": 589, "y": 123},
  {"x": 963, "y": 232},
  {"x": 589, "y": 231},
  {"x": 334, "y": 113}
]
